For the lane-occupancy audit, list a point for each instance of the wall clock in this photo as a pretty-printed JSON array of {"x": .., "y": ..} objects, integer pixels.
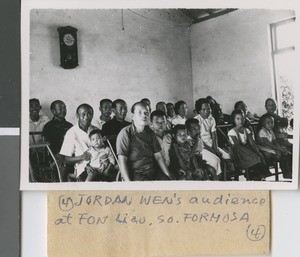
[{"x": 68, "y": 47}]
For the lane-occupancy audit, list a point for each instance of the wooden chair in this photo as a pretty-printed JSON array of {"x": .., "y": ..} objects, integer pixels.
[
  {"x": 43, "y": 166},
  {"x": 275, "y": 166}
]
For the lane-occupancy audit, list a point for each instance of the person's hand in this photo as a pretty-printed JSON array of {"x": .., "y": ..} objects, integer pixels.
[
  {"x": 103, "y": 157},
  {"x": 218, "y": 153},
  {"x": 284, "y": 150},
  {"x": 200, "y": 172},
  {"x": 108, "y": 168},
  {"x": 90, "y": 170},
  {"x": 262, "y": 158},
  {"x": 182, "y": 172},
  {"x": 86, "y": 156}
]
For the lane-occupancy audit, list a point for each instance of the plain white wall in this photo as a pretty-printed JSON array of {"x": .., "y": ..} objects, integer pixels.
[
  {"x": 148, "y": 59},
  {"x": 231, "y": 58}
]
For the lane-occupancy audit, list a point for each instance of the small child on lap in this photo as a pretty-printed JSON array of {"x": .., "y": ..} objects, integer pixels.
[
  {"x": 100, "y": 167},
  {"x": 197, "y": 145},
  {"x": 183, "y": 162}
]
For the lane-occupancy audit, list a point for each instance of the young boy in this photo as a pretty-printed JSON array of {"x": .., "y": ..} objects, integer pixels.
[
  {"x": 170, "y": 111},
  {"x": 106, "y": 110},
  {"x": 112, "y": 128},
  {"x": 55, "y": 130},
  {"x": 147, "y": 102},
  {"x": 102, "y": 161},
  {"x": 36, "y": 121},
  {"x": 76, "y": 142},
  {"x": 272, "y": 150},
  {"x": 210, "y": 160},
  {"x": 158, "y": 123},
  {"x": 184, "y": 165},
  {"x": 161, "y": 106}
]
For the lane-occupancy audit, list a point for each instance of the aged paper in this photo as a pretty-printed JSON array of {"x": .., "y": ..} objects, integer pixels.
[{"x": 157, "y": 223}]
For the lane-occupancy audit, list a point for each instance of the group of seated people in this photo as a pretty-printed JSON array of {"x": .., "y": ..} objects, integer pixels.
[{"x": 162, "y": 144}]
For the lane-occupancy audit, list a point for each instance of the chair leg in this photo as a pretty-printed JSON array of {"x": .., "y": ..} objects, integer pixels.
[
  {"x": 276, "y": 171},
  {"x": 225, "y": 172},
  {"x": 247, "y": 175}
]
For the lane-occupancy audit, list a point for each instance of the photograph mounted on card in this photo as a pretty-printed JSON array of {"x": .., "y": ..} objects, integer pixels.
[{"x": 133, "y": 99}]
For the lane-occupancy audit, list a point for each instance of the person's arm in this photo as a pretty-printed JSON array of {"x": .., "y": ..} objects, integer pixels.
[
  {"x": 195, "y": 146},
  {"x": 86, "y": 156},
  {"x": 252, "y": 143},
  {"x": 124, "y": 167},
  {"x": 271, "y": 145},
  {"x": 254, "y": 147},
  {"x": 159, "y": 159},
  {"x": 212, "y": 150},
  {"x": 236, "y": 143},
  {"x": 214, "y": 137},
  {"x": 214, "y": 141}
]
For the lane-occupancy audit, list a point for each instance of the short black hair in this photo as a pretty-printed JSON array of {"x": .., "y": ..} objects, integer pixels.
[
  {"x": 177, "y": 128},
  {"x": 157, "y": 113},
  {"x": 292, "y": 123},
  {"x": 138, "y": 103},
  {"x": 283, "y": 122},
  {"x": 264, "y": 117},
  {"x": 145, "y": 100},
  {"x": 159, "y": 103},
  {"x": 84, "y": 106},
  {"x": 236, "y": 105},
  {"x": 199, "y": 103},
  {"x": 52, "y": 105},
  {"x": 105, "y": 100},
  {"x": 191, "y": 121},
  {"x": 236, "y": 112},
  {"x": 270, "y": 99},
  {"x": 34, "y": 100},
  {"x": 117, "y": 101},
  {"x": 170, "y": 104},
  {"x": 177, "y": 106},
  {"x": 95, "y": 131}
]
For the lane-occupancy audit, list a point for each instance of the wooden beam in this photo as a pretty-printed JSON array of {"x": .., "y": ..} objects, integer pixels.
[
  {"x": 214, "y": 15},
  {"x": 209, "y": 11}
]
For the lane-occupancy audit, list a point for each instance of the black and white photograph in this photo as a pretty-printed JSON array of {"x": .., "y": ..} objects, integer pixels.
[{"x": 200, "y": 98}]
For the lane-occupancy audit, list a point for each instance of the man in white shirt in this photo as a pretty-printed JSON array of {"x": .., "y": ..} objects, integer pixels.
[{"x": 77, "y": 142}]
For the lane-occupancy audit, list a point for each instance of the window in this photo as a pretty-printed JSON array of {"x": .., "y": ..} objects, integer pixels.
[{"x": 284, "y": 64}]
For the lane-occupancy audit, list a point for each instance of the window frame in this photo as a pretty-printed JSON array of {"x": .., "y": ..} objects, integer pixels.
[{"x": 276, "y": 51}]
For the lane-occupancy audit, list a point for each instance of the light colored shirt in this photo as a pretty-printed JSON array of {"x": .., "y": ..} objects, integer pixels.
[
  {"x": 100, "y": 158},
  {"x": 165, "y": 144},
  {"x": 200, "y": 145},
  {"x": 76, "y": 142},
  {"x": 37, "y": 126},
  {"x": 264, "y": 133},
  {"x": 241, "y": 137},
  {"x": 207, "y": 127},
  {"x": 99, "y": 123},
  {"x": 178, "y": 120}
]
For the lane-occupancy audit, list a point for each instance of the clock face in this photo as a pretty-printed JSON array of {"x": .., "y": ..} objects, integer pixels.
[{"x": 69, "y": 40}]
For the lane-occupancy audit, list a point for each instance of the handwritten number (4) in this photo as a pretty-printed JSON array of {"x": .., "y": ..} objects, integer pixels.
[{"x": 256, "y": 233}]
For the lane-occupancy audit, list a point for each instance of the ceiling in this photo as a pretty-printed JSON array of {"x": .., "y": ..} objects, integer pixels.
[{"x": 199, "y": 15}]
